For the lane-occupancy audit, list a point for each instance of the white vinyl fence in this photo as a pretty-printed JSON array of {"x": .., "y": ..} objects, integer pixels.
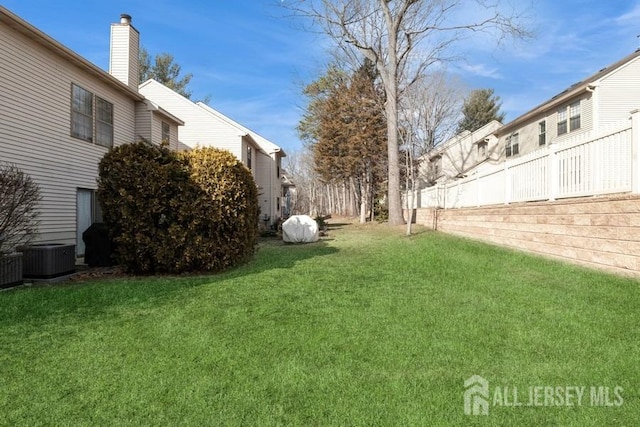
[{"x": 586, "y": 165}]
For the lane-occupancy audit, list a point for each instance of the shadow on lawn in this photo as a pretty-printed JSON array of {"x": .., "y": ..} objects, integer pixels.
[
  {"x": 275, "y": 253},
  {"x": 107, "y": 296},
  {"x": 337, "y": 225}
]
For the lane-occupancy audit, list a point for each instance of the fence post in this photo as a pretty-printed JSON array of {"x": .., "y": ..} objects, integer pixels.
[
  {"x": 507, "y": 183},
  {"x": 445, "y": 193},
  {"x": 478, "y": 191},
  {"x": 553, "y": 170},
  {"x": 635, "y": 151}
]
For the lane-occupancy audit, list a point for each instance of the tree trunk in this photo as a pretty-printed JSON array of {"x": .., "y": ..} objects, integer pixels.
[
  {"x": 409, "y": 191},
  {"x": 394, "y": 201},
  {"x": 389, "y": 75}
]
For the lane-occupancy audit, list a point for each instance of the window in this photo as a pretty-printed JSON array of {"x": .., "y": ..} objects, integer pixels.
[
  {"x": 562, "y": 121},
  {"x": 87, "y": 123},
  {"x": 166, "y": 133},
  {"x": 482, "y": 149},
  {"x": 513, "y": 147},
  {"x": 436, "y": 166},
  {"x": 542, "y": 133},
  {"x": 104, "y": 122},
  {"x": 249, "y": 156},
  {"x": 574, "y": 121},
  {"x": 81, "y": 114},
  {"x": 574, "y": 116}
]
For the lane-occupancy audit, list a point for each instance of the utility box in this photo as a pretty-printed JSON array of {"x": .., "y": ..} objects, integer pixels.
[
  {"x": 48, "y": 260},
  {"x": 10, "y": 270}
]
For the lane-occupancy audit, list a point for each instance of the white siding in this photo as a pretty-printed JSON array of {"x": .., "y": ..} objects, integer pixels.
[
  {"x": 156, "y": 130},
  {"x": 619, "y": 93},
  {"x": 528, "y": 132},
  {"x": 200, "y": 128},
  {"x": 587, "y": 112},
  {"x": 207, "y": 127},
  {"x": 123, "y": 61},
  {"x": 586, "y": 118},
  {"x": 35, "y": 94},
  {"x": 143, "y": 121},
  {"x": 265, "y": 188}
]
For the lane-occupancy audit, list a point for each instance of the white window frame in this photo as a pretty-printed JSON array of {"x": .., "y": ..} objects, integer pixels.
[
  {"x": 542, "y": 133},
  {"x": 98, "y": 128},
  {"x": 81, "y": 113},
  {"x": 512, "y": 146},
  {"x": 563, "y": 123},
  {"x": 575, "y": 114},
  {"x": 166, "y": 133}
]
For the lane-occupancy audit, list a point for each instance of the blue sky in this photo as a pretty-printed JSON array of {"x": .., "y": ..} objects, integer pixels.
[{"x": 252, "y": 62}]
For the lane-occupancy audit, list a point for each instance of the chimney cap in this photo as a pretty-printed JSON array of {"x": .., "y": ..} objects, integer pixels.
[{"x": 125, "y": 19}]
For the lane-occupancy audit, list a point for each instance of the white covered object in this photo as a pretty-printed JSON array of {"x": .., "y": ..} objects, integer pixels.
[{"x": 300, "y": 229}]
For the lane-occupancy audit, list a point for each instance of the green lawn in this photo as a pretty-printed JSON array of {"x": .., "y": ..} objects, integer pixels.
[{"x": 367, "y": 327}]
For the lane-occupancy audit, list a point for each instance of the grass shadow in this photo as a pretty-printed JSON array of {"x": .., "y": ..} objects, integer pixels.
[
  {"x": 98, "y": 296},
  {"x": 337, "y": 225}
]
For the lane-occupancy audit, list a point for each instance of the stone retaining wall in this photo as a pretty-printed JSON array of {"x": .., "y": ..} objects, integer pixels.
[{"x": 599, "y": 232}]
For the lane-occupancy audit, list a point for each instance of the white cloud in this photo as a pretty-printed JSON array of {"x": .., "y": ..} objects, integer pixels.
[
  {"x": 631, "y": 16},
  {"x": 482, "y": 70}
]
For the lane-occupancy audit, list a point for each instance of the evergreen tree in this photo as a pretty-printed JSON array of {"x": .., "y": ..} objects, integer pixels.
[
  {"x": 480, "y": 108},
  {"x": 346, "y": 128},
  {"x": 163, "y": 69}
]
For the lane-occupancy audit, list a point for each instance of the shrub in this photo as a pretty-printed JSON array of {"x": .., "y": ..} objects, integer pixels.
[
  {"x": 142, "y": 189},
  {"x": 322, "y": 223},
  {"x": 170, "y": 212},
  {"x": 225, "y": 224},
  {"x": 19, "y": 197}
]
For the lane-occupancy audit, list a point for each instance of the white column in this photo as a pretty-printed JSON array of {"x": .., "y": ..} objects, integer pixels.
[
  {"x": 507, "y": 183},
  {"x": 553, "y": 171},
  {"x": 635, "y": 151}
]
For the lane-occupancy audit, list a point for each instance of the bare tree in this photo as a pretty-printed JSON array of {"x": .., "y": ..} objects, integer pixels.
[
  {"x": 19, "y": 198},
  {"x": 300, "y": 166},
  {"x": 428, "y": 116},
  {"x": 403, "y": 38}
]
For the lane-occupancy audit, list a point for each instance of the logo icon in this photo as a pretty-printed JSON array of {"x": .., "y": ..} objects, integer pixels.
[{"x": 476, "y": 396}]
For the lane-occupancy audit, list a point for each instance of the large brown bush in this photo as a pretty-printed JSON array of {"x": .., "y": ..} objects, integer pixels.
[
  {"x": 225, "y": 225},
  {"x": 171, "y": 213}
]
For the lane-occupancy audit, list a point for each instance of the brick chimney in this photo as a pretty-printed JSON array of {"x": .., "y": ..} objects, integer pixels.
[{"x": 125, "y": 48}]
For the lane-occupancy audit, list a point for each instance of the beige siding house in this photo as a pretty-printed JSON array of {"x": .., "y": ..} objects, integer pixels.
[
  {"x": 587, "y": 107},
  {"x": 61, "y": 113},
  {"x": 206, "y": 127},
  {"x": 456, "y": 157}
]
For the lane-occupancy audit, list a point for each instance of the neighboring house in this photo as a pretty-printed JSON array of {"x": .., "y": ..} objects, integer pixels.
[
  {"x": 582, "y": 142},
  {"x": 60, "y": 114},
  {"x": 456, "y": 157},
  {"x": 586, "y": 108},
  {"x": 603, "y": 99},
  {"x": 206, "y": 127}
]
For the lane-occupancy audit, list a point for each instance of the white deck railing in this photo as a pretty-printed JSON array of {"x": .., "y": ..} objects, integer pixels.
[{"x": 606, "y": 162}]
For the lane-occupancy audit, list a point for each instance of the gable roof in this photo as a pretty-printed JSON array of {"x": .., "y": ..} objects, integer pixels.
[
  {"x": 242, "y": 132},
  {"x": 568, "y": 93},
  {"x": 474, "y": 137},
  {"x": 266, "y": 145},
  {"x": 23, "y": 27},
  {"x": 152, "y": 106}
]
